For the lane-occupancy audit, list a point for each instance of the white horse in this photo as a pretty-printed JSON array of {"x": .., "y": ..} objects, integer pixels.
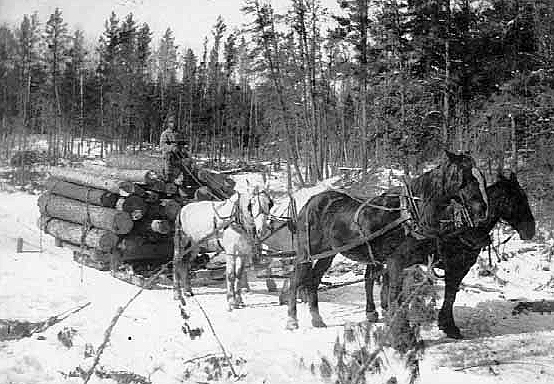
[{"x": 235, "y": 222}]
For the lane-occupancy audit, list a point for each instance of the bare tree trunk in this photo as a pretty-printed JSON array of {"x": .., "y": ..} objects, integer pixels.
[
  {"x": 446, "y": 92},
  {"x": 514, "y": 142}
]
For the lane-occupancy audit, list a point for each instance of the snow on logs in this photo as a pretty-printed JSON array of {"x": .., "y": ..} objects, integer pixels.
[{"x": 106, "y": 215}]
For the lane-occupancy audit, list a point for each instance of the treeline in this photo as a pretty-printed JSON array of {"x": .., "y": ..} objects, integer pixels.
[{"x": 383, "y": 81}]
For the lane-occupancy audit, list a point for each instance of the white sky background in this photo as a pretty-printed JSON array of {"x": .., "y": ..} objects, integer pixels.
[{"x": 190, "y": 20}]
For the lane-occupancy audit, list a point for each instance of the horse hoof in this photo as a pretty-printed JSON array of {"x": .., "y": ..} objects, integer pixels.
[
  {"x": 292, "y": 324},
  {"x": 453, "y": 333},
  {"x": 372, "y": 316},
  {"x": 318, "y": 323}
]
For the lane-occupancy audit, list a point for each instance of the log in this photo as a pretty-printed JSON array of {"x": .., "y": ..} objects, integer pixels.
[
  {"x": 170, "y": 189},
  {"x": 81, "y": 177},
  {"x": 76, "y": 211},
  {"x": 78, "y": 192},
  {"x": 92, "y": 253},
  {"x": 134, "y": 205},
  {"x": 149, "y": 179},
  {"x": 137, "y": 248},
  {"x": 220, "y": 185},
  {"x": 72, "y": 233},
  {"x": 140, "y": 161},
  {"x": 169, "y": 209},
  {"x": 101, "y": 265},
  {"x": 151, "y": 198},
  {"x": 141, "y": 176},
  {"x": 154, "y": 211},
  {"x": 158, "y": 226}
]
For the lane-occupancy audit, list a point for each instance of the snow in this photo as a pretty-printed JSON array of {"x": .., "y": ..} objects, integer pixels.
[{"x": 147, "y": 340}]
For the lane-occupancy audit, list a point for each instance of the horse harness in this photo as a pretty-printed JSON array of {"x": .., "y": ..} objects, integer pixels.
[
  {"x": 410, "y": 219},
  {"x": 234, "y": 220}
]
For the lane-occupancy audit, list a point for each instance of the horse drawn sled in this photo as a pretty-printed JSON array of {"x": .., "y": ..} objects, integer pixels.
[{"x": 399, "y": 228}]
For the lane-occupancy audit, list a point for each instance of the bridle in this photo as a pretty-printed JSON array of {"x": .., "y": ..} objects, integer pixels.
[{"x": 261, "y": 211}]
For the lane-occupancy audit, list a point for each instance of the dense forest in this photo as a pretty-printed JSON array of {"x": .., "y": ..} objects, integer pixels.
[{"x": 382, "y": 82}]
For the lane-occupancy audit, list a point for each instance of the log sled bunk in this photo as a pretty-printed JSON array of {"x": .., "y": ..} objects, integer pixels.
[{"x": 122, "y": 220}]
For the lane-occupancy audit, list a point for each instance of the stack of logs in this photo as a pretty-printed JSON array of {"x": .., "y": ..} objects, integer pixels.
[{"x": 109, "y": 216}]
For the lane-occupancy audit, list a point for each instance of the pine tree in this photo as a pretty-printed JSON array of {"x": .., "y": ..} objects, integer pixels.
[
  {"x": 29, "y": 39},
  {"x": 8, "y": 90},
  {"x": 56, "y": 39}
]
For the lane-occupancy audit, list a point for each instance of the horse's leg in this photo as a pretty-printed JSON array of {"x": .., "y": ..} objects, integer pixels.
[
  {"x": 284, "y": 293},
  {"x": 181, "y": 263},
  {"x": 370, "y": 312},
  {"x": 239, "y": 272},
  {"x": 317, "y": 273},
  {"x": 243, "y": 277},
  {"x": 230, "y": 278},
  {"x": 455, "y": 271},
  {"x": 394, "y": 271},
  {"x": 296, "y": 278},
  {"x": 385, "y": 290}
]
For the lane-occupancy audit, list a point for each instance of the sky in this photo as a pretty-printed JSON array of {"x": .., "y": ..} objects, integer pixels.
[{"x": 190, "y": 20}]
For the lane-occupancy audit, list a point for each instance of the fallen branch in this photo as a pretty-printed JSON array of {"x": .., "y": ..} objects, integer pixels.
[
  {"x": 328, "y": 286},
  {"x": 15, "y": 330},
  {"x": 217, "y": 338},
  {"x": 489, "y": 363},
  {"x": 108, "y": 332},
  {"x": 199, "y": 358},
  {"x": 480, "y": 287}
]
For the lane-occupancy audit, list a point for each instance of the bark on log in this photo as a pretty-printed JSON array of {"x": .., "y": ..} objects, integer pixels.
[
  {"x": 133, "y": 205},
  {"x": 76, "y": 211},
  {"x": 72, "y": 233},
  {"x": 81, "y": 177},
  {"x": 78, "y": 192}
]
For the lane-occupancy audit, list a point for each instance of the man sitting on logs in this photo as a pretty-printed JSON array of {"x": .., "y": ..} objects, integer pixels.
[{"x": 175, "y": 155}]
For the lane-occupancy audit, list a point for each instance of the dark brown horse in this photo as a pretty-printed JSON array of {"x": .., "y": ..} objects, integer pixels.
[
  {"x": 331, "y": 221},
  {"x": 459, "y": 250}
]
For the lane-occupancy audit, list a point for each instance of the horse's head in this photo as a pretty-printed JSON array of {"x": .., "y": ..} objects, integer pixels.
[
  {"x": 464, "y": 182},
  {"x": 259, "y": 204},
  {"x": 509, "y": 203}
]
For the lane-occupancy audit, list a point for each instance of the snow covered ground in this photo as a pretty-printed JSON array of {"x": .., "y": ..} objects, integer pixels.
[{"x": 147, "y": 340}]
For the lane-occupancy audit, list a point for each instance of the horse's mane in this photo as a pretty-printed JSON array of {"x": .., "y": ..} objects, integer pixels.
[
  {"x": 434, "y": 189},
  {"x": 437, "y": 183}
]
